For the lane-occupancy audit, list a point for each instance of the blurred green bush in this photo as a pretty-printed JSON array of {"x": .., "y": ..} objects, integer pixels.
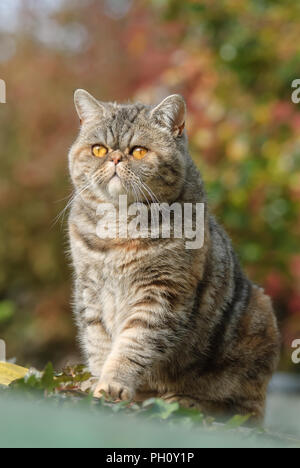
[{"x": 233, "y": 61}]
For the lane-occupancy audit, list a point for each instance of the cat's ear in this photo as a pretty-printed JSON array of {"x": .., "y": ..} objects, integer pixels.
[
  {"x": 171, "y": 113},
  {"x": 88, "y": 108}
]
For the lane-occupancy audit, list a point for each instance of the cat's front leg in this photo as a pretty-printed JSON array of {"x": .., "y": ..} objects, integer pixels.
[
  {"x": 145, "y": 339},
  {"x": 114, "y": 390},
  {"x": 97, "y": 345},
  {"x": 94, "y": 338}
]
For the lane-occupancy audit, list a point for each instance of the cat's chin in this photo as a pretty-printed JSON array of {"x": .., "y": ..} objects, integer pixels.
[{"x": 115, "y": 187}]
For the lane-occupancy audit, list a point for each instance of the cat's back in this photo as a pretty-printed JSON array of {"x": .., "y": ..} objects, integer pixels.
[{"x": 246, "y": 314}]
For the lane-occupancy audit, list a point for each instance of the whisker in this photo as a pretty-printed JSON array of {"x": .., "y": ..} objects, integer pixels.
[{"x": 73, "y": 198}]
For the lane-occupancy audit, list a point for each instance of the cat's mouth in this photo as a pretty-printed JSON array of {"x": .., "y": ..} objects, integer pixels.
[{"x": 115, "y": 173}]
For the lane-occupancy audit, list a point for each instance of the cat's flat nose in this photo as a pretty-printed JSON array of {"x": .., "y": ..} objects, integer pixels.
[{"x": 117, "y": 157}]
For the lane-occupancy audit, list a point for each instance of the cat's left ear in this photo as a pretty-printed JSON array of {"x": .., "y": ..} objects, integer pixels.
[{"x": 171, "y": 113}]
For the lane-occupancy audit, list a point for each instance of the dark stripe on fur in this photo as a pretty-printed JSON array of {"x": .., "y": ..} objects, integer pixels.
[{"x": 242, "y": 288}]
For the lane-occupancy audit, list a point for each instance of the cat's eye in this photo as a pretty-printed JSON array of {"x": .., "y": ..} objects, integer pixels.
[
  {"x": 99, "y": 151},
  {"x": 139, "y": 152}
]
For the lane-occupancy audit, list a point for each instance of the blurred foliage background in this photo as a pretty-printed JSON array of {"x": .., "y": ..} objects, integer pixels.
[{"x": 233, "y": 61}]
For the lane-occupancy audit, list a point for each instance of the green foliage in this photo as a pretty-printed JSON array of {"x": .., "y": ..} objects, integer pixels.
[
  {"x": 237, "y": 421},
  {"x": 7, "y": 311},
  {"x": 160, "y": 409},
  {"x": 67, "y": 395},
  {"x": 66, "y": 387}
]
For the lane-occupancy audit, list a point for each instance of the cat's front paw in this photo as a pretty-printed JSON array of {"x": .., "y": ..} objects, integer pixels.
[{"x": 114, "y": 391}]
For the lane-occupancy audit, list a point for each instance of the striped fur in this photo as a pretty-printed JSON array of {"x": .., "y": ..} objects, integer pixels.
[{"x": 155, "y": 318}]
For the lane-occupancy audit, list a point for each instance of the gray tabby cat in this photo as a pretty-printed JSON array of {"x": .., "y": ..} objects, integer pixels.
[{"x": 155, "y": 318}]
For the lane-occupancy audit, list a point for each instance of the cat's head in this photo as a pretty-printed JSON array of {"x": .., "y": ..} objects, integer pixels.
[{"x": 130, "y": 149}]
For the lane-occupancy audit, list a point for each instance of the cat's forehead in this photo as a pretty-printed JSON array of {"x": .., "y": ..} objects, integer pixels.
[
  {"x": 126, "y": 112},
  {"x": 122, "y": 126}
]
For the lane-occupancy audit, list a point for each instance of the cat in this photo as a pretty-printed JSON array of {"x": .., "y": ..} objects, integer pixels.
[{"x": 154, "y": 317}]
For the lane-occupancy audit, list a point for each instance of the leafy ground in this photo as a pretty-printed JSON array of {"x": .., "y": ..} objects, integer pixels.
[
  {"x": 74, "y": 385},
  {"x": 70, "y": 390}
]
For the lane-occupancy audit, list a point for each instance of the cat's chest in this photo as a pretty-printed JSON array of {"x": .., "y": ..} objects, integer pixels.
[{"x": 111, "y": 288}]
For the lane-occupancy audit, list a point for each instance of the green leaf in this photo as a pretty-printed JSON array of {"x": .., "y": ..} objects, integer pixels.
[
  {"x": 237, "y": 421},
  {"x": 160, "y": 409},
  {"x": 48, "y": 381},
  {"x": 193, "y": 415}
]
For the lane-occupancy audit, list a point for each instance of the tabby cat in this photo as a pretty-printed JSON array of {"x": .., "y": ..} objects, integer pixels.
[{"x": 154, "y": 317}]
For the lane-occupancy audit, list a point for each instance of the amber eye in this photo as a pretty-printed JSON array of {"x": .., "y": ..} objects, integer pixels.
[
  {"x": 139, "y": 152},
  {"x": 99, "y": 151}
]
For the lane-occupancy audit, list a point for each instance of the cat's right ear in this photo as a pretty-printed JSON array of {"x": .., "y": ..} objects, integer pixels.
[
  {"x": 88, "y": 108},
  {"x": 171, "y": 113}
]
